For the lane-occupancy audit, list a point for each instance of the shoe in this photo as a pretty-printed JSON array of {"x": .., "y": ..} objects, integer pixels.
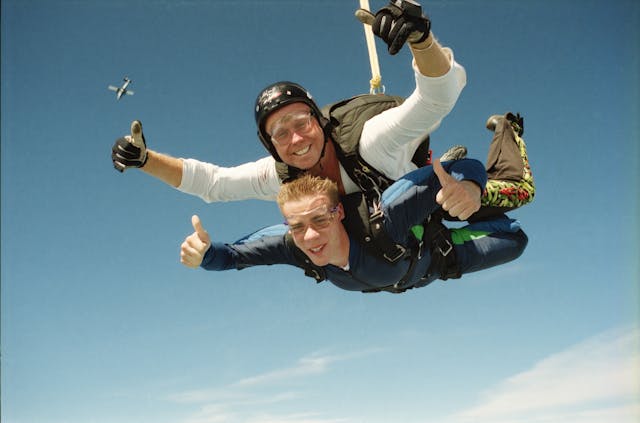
[
  {"x": 456, "y": 152},
  {"x": 516, "y": 121},
  {"x": 492, "y": 122}
]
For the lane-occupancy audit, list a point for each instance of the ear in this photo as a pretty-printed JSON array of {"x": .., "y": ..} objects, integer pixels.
[{"x": 340, "y": 211}]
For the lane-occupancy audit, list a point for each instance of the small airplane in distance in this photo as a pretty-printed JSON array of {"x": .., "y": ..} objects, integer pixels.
[{"x": 123, "y": 89}]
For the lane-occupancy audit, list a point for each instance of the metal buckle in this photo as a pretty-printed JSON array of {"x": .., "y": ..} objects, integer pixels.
[
  {"x": 448, "y": 249},
  {"x": 421, "y": 250},
  {"x": 401, "y": 250},
  {"x": 376, "y": 215}
]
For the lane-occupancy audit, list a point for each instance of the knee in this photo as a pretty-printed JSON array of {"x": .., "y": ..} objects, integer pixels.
[{"x": 521, "y": 240}]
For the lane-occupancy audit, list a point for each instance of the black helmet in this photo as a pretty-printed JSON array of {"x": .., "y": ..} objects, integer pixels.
[{"x": 274, "y": 97}]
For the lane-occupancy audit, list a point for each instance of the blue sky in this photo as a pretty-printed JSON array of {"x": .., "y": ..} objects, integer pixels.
[{"x": 101, "y": 323}]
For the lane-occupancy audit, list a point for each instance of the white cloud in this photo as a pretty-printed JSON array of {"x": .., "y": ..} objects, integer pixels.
[
  {"x": 239, "y": 401},
  {"x": 251, "y": 409},
  {"x": 595, "y": 381},
  {"x": 214, "y": 413},
  {"x": 229, "y": 396},
  {"x": 204, "y": 395},
  {"x": 293, "y": 418},
  {"x": 310, "y": 365}
]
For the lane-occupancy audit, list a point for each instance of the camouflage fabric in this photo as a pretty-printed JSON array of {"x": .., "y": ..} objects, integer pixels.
[
  {"x": 504, "y": 193},
  {"x": 510, "y": 192}
]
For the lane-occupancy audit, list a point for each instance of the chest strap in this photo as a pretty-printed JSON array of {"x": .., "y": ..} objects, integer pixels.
[{"x": 443, "y": 254}]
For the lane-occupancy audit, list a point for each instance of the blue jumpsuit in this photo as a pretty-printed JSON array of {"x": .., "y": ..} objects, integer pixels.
[{"x": 408, "y": 202}]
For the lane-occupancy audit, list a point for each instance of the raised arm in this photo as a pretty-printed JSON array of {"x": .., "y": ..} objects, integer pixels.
[
  {"x": 252, "y": 180},
  {"x": 402, "y": 21},
  {"x": 389, "y": 140},
  {"x": 431, "y": 58},
  {"x": 131, "y": 151},
  {"x": 164, "y": 167}
]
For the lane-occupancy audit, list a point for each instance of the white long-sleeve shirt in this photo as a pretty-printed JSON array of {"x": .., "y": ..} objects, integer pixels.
[{"x": 388, "y": 142}]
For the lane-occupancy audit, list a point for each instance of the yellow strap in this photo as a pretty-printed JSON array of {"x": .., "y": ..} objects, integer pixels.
[{"x": 376, "y": 79}]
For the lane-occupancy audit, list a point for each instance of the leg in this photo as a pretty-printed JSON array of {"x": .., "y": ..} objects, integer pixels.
[
  {"x": 481, "y": 245},
  {"x": 510, "y": 183},
  {"x": 490, "y": 251}
]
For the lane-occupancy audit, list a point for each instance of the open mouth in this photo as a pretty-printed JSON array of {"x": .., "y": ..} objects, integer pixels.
[
  {"x": 303, "y": 151},
  {"x": 317, "y": 250}
]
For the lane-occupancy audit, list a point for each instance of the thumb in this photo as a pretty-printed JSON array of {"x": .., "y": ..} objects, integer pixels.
[
  {"x": 136, "y": 134},
  {"x": 443, "y": 176},
  {"x": 365, "y": 16},
  {"x": 197, "y": 226}
]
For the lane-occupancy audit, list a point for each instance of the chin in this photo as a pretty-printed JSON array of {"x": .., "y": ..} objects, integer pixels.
[
  {"x": 319, "y": 261},
  {"x": 305, "y": 163}
]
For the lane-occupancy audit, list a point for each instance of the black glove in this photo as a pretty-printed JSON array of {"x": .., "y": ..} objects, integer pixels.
[
  {"x": 400, "y": 21},
  {"x": 130, "y": 151}
]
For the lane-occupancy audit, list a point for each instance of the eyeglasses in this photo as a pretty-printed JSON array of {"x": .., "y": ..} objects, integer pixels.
[
  {"x": 283, "y": 130},
  {"x": 321, "y": 218}
]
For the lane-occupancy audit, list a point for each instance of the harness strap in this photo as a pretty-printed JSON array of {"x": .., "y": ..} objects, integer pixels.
[
  {"x": 413, "y": 256},
  {"x": 371, "y": 181},
  {"x": 364, "y": 222},
  {"x": 443, "y": 253},
  {"x": 391, "y": 251},
  {"x": 412, "y": 253}
]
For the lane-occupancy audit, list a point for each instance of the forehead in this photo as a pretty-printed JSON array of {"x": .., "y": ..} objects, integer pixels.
[
  {"x": 283, "y": 111},
  {"x": 304, "y": 205}
]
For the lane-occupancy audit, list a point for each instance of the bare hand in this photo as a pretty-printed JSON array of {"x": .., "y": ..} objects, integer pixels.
[
  {"x": 460, "y": 198},
  {"x": 195, "y": 246}
]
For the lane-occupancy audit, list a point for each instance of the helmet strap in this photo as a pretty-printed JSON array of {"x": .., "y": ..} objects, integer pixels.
[
  {"x": 326, "y": 130},
  {"x": 324, "y": 148}
]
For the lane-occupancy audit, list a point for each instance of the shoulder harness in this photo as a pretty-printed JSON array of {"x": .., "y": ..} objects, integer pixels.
[{"x": 343, "y": 123}]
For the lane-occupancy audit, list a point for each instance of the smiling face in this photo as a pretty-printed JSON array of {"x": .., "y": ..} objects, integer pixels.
[
  {"x": 304, "y": 147},
  {"x": 317, "y": 230}
]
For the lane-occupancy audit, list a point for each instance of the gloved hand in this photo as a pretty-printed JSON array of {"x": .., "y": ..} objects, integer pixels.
[
  {"x": 130, "y": 151},
  {"x": 399, "y": 22}
]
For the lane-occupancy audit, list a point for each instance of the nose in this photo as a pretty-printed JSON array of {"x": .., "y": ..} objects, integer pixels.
[
  {"x": 296, "y": 137},
  {"x": 310, "y": 234}
]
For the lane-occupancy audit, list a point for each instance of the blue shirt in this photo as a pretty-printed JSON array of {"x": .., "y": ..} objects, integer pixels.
[{"x": 408, "y": 202}]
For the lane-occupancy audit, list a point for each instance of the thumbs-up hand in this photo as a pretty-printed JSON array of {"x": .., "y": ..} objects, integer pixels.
[
  {"x": 130, "y": 150},
  {"x": 195, "y": 246},
  {"x": 137, "y": 137},
  {"x": 460, "y": 198}
]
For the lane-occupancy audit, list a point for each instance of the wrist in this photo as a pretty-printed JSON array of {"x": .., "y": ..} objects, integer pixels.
[
  {"x": 144, "y": 160},
  {"x": 150, "y": 156},
  {"x": 423, "y": 45}
]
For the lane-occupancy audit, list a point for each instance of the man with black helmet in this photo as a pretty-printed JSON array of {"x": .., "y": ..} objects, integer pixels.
[{"x": 294, "y": 131}]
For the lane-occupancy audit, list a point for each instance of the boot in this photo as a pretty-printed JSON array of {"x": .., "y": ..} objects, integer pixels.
[
  {"x": 456, "y": 152},
  {"x": 517, "y": 122}
]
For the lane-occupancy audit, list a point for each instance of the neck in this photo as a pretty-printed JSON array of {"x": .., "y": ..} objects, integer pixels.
[
  {"x": 342, "y": 255},
  {"x": 328, "y": 166}
]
